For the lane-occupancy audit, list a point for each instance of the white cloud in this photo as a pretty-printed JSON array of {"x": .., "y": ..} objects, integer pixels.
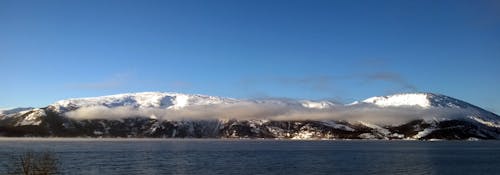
[{"x": 271, "y": 111}]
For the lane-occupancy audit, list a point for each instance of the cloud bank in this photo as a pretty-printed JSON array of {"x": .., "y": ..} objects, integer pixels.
[{"x": 271, "y": 111}]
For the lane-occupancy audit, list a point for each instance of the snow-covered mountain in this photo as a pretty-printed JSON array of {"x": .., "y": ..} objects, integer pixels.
[
  {"x": 141, "y": 100},
  {"x": 424, "y": 100},
  {"x": 428, "y": 101},
  {"x": 167, "y": 100},
  {"x": 157, "y": 114}
]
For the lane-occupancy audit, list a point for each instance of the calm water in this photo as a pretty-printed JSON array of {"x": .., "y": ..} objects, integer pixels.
[{"x": 180, "y": 156}]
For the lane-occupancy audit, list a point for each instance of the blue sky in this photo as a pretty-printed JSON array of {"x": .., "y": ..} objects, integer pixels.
[{"x": 339, "y": 50}]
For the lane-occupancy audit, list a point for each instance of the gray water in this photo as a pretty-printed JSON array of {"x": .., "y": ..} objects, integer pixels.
[{"x": 199, "y": 156}]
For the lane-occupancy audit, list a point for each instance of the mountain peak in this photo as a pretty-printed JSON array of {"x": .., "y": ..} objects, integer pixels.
[
  {"x": 424, "y": 100},
  {"x": 406, "y": 99}
]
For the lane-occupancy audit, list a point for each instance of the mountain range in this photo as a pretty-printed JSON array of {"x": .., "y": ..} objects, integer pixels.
[{"x": 409, "y": 116}]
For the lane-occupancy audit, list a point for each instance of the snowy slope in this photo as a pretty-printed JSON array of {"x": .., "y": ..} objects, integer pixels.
[
  {"x": 431, "y": 101},
  {"x": 424, "y": 100},
  {"x": 166, "y": 100},
  {"x": 416, "y": 99},
  {"x": 141, "y": 100},
  {"x": 173, "y": 101},
  {"x": 178, "y": 100}
]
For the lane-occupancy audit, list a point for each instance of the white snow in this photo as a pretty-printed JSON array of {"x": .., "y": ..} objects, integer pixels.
[
  {"x": 278, "y": 132},
  {"x": 425, "y": 106},
  {"x": 413, "y": 99},
  {"x": 494, "y": 124},
  {"x": 304, "y": 135},
  {"x": 33, "y": 118},
  {"x": 307, "y": 132},
  {"x": 375, "y": 112},
  {"x": 423, "y": 133},
  {"x": 161, "y": 105},
  {"x": 377, "y": 128},
  {"x": 180, "y": 101},
  {"x": 367, "y": 136},
  {"x": 141, "y": 100},
  {"x": 316, "y": 104},
  {"x": 397, "y": 135},
  {"x": 335, "y": 125},
  {"x": 353, "y": 103}
]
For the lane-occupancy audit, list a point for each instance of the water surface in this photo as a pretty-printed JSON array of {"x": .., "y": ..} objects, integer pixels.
[{"x": 207, "y": 156}]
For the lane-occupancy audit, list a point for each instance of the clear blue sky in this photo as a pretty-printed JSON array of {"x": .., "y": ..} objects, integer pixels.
[{"x": 340, "y": 50}]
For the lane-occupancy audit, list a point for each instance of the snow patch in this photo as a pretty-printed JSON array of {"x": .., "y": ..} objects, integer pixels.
[
  {"x": 424, "y": 133},
  {"x": 367, "y": 136},
  {"x": 34, "y": 118},
  {"x": 335, "y": 125},
  {"x": 304, "y": 135},
  {"x": 484, "y": 122},
  {"x": 377, "y": 128},
  {"x": 415, "y": 99},
  {"x": 316, "y": 104}
]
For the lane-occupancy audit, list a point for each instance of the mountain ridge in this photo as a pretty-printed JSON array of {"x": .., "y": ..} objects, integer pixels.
[{"x": 160, "y": 114}]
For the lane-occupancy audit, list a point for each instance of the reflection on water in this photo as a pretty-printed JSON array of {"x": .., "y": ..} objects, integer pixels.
[{"x": 191, "y": 156}]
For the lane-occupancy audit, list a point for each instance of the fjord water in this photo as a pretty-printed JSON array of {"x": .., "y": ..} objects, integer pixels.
[{"x": 208, "y": 156}]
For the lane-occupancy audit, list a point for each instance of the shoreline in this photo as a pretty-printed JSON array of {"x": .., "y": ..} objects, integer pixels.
[{"x": 217, "y": 139}]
